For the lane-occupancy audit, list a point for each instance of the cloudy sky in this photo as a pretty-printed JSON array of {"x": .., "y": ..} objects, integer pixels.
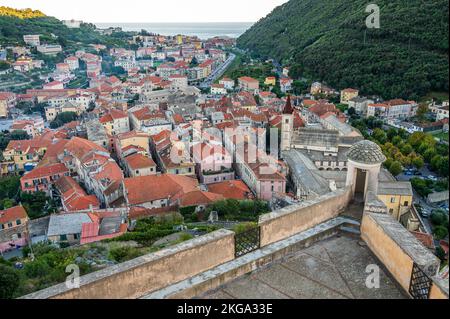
[{"x": 151, "y": 10}]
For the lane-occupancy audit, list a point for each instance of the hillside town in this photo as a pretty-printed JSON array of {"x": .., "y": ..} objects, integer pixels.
[{"x": 112, "y": 136}]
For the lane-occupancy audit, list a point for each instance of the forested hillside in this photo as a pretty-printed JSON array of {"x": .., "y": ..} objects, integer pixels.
[
  {"x": 329, "y": 41},
  {"x": 16, "y": 23}
]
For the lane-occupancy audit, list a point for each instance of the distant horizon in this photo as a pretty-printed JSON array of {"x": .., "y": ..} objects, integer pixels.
[{"x": 203, "y": 30}]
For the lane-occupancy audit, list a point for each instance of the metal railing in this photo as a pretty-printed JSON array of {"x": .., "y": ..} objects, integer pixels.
[
  {"x": 247, "y": 241},
  {"x": 420, "y": 285}
]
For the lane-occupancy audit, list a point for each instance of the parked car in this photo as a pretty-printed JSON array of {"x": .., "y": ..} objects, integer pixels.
[{"x": 425, "y": 213}]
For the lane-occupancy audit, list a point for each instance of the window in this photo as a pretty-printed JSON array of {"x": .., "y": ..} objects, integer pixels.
[
  {"x": 19, "y": 235},
  {"x": 406, "y": 203},
  {"x": 18, "y": 222},
  {"x": 391, "y": 211},
  {"x": 76, "y": 236},
  {"x": 62, "y": 237},
  {"x": 392, "y": 199},
  {"x": 10, "y": 225}
]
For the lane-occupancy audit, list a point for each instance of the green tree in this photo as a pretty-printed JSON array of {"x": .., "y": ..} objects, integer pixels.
[
  {"x": 396, "y": 168},
  {"x": 388, "y": 162},
  {"x": 379, "y": 135},
  {"x": 438, "y": 218},
  {"x": 406, "y": 149},
  {"x": 391, "y": 133},
  {"x": 440, "y": 232},
  {"x": 9, "y": 282},
  {"x": 422, "y": 110},
  {"x": 418, "y": 162},
  {"x": 9, "y": 186}
]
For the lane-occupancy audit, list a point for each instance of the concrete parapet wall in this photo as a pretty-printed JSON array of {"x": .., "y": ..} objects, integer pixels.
[
  {"x": 397, "y": 248},
  {"x": 294, "y": 219},
  {"x": 151, "y": 272},
  {"x": 439, "y": 288}
]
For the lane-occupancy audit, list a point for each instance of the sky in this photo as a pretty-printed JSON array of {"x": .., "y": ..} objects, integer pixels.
[{"x": 151, "y": 10}]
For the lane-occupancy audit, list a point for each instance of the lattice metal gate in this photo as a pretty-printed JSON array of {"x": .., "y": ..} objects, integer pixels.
[
  {"x": 246, "y": 241},
  {"x": 420, "y": 285}
]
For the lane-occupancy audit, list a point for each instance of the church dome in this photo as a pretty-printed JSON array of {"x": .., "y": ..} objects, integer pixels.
[{"x": 366, "y": 152}]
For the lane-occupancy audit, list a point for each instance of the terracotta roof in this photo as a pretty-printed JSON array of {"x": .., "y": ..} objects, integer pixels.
[
  {"x": 248, "y": 79},
  {"x": 234, "y": 189},
  {"x": 350, "y": 90},
  {"x": 425, "y": 239},
  {"x": 49, "y": 170},
  {"x": 137, "y": 160},
  {"x": 288, "y": 109},
  {"x": 322, "y": 108},
  {"x": 199, "y": 197},
  {"x": 12, "y": 214},
  {"x": 145, "y": 189},
  {"x": 113, "y": 114}
]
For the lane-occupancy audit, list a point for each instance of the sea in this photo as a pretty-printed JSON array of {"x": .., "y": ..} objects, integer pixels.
[{"x": 203, "y": 30}]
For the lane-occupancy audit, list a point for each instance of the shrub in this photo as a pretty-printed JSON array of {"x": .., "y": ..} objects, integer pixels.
[
  {"x": 438, "y": 217},
  {"x": 9, "y": 282},
  {"x": 37, "y": 268},
  {"x": 122, "y": 254},
  {"x": 440, "y": 232},
  {"x": 240, "y": 228}
]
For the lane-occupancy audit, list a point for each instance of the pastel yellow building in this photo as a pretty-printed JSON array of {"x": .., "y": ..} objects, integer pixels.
[
  {"x": 18, "y": 153},
  {"x": 397, "y": 196},
  {"x": 348, "y": 94},
  {"x": 270, "y": 80},
  {"x": 134, "y": 138}
]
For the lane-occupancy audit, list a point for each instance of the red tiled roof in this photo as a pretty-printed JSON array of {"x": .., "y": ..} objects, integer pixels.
[
  {"x": 288, "y": 109},
  {"x": 12, "y": 214},
  {"x": 137, "y": 160},
  {"x": 424, "y": 238},
  {"x": 199, "y": 197},
  {"x": 234, "y": 189},
  {"x": 168, "y": 185},
  {"x": 44, "y": 171},
  {"x": 248, "y": 79},
  {"x": 350, "y": 90}
]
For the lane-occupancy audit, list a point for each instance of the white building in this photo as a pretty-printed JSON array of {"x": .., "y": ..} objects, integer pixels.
[
  {"x": 218, "y": 89},
  {"x": 72, "y": 24},
  {"x": 49, "y": 49},
  {"x": 32, "y": 39},
  {"x": 73, "y": 62}
]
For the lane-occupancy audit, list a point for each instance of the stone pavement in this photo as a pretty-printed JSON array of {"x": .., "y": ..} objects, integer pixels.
[{"x": 334, "y": 268}]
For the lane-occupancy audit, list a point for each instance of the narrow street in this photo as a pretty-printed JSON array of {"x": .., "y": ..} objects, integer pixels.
[{"x": 218, "y": 72}]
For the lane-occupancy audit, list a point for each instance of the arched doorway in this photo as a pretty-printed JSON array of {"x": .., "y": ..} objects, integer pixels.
[{"x": 360, "y": 185}]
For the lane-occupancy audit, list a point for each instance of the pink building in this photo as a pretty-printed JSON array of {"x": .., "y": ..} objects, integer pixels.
[
  {"x": 263, "y": 174},
  {"x": 63, "y": 67},
  {"x": 93, "y": 232},
  {"x": 213, "y": 163},
  {"x": 55, "y": 85},
  {"x": 41, "y": 178},
  {"x": 13, "y": 228}
]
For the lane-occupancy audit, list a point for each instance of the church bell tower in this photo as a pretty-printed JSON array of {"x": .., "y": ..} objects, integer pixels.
[{"x": 287, "y": 126}]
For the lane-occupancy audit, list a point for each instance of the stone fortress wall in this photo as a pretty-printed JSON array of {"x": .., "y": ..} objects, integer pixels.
[{"x": 391, "y": 243}]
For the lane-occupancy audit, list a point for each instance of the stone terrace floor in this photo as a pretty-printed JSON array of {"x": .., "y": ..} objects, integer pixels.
[{"x": 329, "y": 269}]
